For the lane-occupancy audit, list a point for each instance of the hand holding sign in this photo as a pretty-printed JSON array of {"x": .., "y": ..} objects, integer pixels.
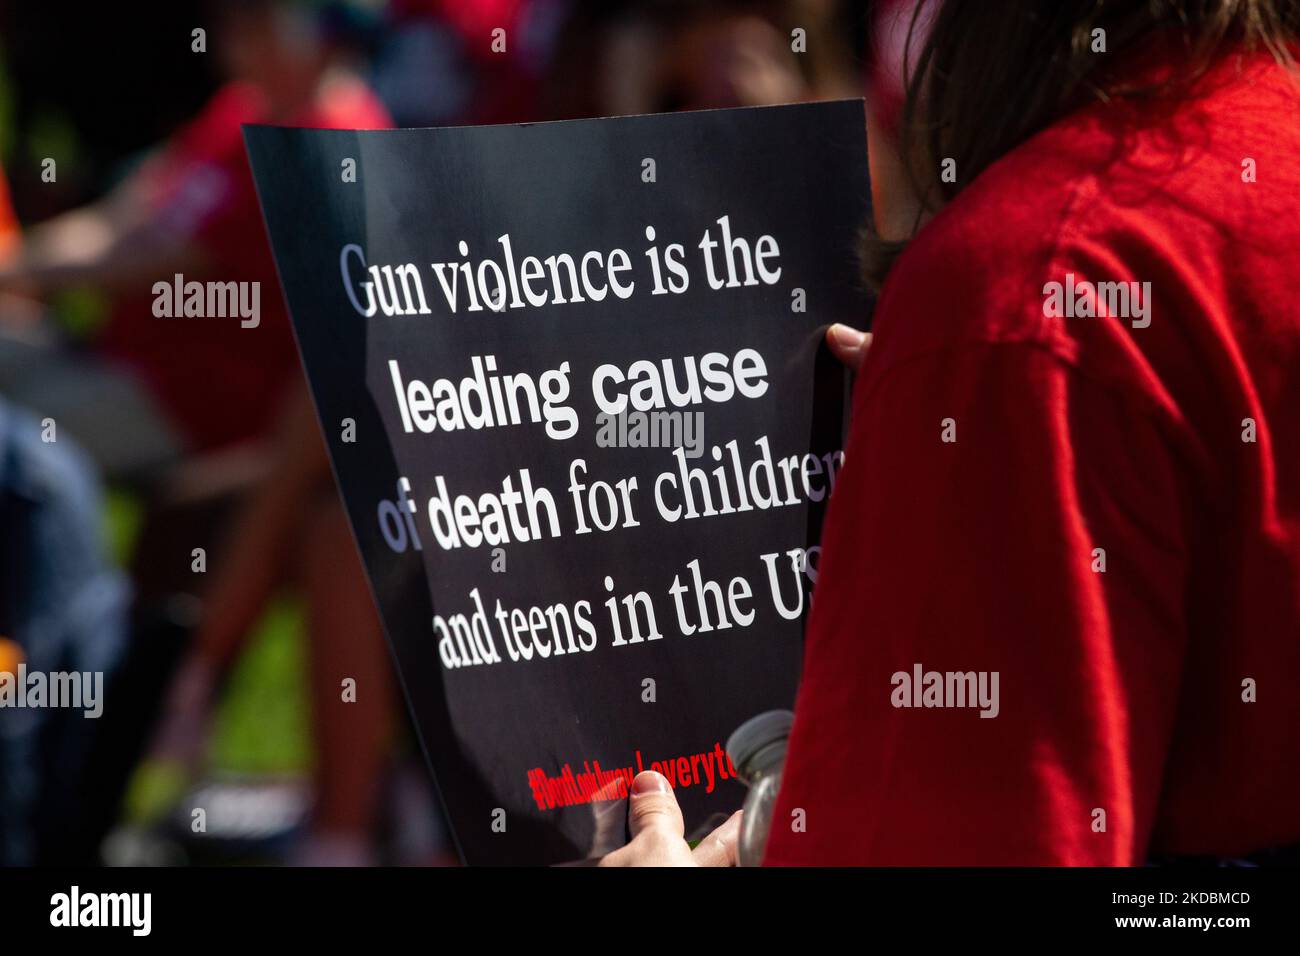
[{"x": 659, "y": 833}]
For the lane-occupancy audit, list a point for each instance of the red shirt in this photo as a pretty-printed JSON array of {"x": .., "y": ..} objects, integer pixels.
[
  {"x": 1124, "y": 690},
  {"x": 219, "y": 382}
]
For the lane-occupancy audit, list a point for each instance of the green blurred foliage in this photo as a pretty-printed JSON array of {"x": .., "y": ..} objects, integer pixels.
[{"x": 262, "y": 722}]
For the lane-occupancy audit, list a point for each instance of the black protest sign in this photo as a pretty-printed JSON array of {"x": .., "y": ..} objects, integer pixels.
[{"x": 573, "y": 384}]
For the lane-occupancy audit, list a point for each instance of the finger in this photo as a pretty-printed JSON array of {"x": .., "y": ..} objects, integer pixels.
[
  {"x": 719, "y": 847},
  {"x": 848, "y": 344},
  {"x": 652, "y": 807}
]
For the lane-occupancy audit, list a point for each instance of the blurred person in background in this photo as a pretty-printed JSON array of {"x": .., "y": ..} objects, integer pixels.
[
  {"x": 190, "y": 208},
  {"x": 63, "y": 608},
  {"x": 442, "y": 63},
  {"x": 187, "y": 408},
  {"x": 616, "y": 59},
  {"x": 895, "y": 27}
]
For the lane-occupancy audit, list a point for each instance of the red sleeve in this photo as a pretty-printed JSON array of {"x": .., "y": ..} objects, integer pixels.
[
  {"x": 978, "y": 555},
  {"x": 10, "y": 231}
]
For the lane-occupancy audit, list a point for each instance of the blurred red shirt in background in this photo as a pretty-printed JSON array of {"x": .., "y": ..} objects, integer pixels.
[{"x": 221, "y": 383}]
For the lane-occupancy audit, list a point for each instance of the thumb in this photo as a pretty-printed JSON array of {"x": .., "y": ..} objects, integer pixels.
[{"x": 652, "y": 807}]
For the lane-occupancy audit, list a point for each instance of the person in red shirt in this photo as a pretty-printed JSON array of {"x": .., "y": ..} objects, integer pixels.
[
  {"x": 221, "y": 384},
  {"x": 1057, "y": 617},
  {"x": 191, "y": 209}
]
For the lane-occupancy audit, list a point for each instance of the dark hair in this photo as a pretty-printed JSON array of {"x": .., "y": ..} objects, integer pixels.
[{"x": 992, "y": 73}]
